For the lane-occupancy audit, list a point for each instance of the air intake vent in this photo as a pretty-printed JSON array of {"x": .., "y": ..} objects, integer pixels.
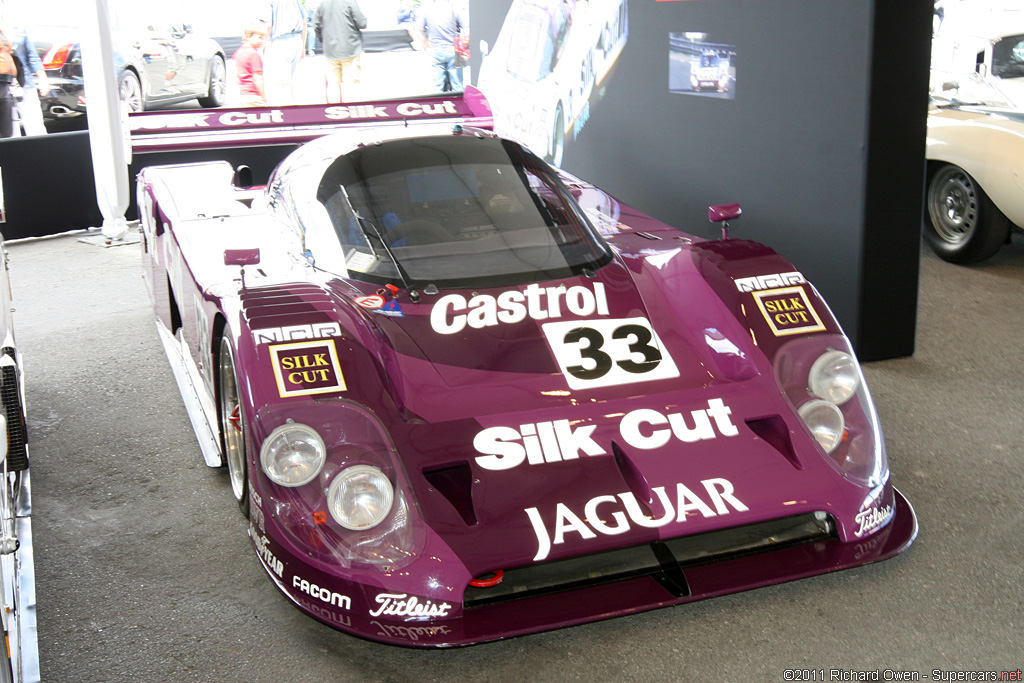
[{"x": 17, "y": 453}]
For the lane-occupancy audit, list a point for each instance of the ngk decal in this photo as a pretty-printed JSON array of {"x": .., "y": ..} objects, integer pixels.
[
  {"x": 602, "y": 353},
  {"x": 612, "y": 515},
  {"x": 452, "y": 312},
  {"x": 544, "y": 442}
]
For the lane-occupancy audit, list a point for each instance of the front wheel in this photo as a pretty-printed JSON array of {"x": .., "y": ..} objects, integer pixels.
[
  {"x": 217, "y": 92},
  {"x": 962, "y": 223},
  {"x": 129, "y": 89},
  {"x": 232, "y": 424}
]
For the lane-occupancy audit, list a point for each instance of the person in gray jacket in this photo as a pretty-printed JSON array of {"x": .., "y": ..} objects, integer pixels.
[{"x": 339, "y": 25}]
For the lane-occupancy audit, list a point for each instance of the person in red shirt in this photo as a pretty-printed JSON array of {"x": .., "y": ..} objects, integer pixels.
[{"x": 249, "y": 65}]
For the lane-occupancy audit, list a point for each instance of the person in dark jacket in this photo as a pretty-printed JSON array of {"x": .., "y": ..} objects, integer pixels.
[{"x": 339, "y": 25}]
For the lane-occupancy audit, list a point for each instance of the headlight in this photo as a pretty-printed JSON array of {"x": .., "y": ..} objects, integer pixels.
[
  {"x": 825, "y": 421},
  {"x": 360, "y": 497},
  {"x": 834, "y": 377},
  {"x": 293, "y": 454}
]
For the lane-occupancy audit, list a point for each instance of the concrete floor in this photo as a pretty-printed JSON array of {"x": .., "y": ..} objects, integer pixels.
[{"x": 145, "y": 572}]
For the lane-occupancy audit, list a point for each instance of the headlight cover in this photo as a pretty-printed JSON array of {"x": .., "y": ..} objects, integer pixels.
[
  {"x": 293, "y": 454},
  {"x": 834, "y": 376},
  {"x": 360, "y": 497},
  {"x": 825, "y": 420}
]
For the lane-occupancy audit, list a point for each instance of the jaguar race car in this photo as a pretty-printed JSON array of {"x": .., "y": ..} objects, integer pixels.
[{"x": 462, "y": 395}]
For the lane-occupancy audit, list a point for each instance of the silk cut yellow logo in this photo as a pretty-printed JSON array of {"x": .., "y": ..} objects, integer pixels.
[
  {"x": 307, "y": 368},
  {"x": 788, "y": 311}
]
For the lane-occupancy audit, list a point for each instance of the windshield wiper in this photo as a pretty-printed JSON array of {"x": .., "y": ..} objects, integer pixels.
[{"x": 413, "y": 294}]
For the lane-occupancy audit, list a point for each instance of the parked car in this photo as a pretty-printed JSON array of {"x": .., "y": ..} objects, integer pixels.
[
  {"x": 460, "y": 397},
  {"x": 542, "y": 69},
  {"x": 975, "y": 174},
  {"x": 155, "y": 67},
  {"x": 990, "y": 47}
]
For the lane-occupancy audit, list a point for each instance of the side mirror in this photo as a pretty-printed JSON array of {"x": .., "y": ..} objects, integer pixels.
[
  {"x": 484, "y": 48},
  {"x": 241, "y": 257},
  {"x": 722, "y": 213}
]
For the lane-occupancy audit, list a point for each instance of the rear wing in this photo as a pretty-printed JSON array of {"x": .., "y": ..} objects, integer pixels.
[{"x": 256, "y": 126}]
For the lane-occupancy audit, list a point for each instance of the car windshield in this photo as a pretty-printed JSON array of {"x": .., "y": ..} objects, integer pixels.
[
  {"x": 455, "y": 211},
  {"x": 1008, "y": 57}
]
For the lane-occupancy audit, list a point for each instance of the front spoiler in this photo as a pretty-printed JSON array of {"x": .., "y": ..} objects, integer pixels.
[{"x": 542, "y": 612}]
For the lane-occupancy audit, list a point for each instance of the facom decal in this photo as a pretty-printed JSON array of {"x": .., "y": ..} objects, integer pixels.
[
  {"x": 870, "y": 520},
  {"x": 543, "y": 442},
  {"x": 602, "y": 353},
  {"x": 404, "y": 605},
  {"x": 759, "y": 282},
  {"x": 263, "y": 550},
  {"x": 306, "y": 368},
  {"x": 267, "y": 335},
  {"x": 612, "y": 515},
  {"x": 788, "y": 311},
  {"x": 452, "y": 312},
  {"x": 322, "y": 594}
]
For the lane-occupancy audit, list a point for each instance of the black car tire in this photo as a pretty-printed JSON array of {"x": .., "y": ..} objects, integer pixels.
[
  {"x": 962, "y": 225},
  {"x": 217, "y": 91},
  {"x": 129, "y": 90},
  {"x": 232, "y": 424}
]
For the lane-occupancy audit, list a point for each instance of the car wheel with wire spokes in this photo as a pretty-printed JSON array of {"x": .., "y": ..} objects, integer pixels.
[
  {"x": 232, "y": 424},
  {"x": 962, "y": 225}
]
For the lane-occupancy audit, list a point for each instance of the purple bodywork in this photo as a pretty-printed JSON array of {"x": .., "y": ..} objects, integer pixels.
[{"x": 532, "y": 489}]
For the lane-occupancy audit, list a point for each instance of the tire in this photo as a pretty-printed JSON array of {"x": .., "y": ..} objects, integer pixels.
[
  {"x": 232, "y": 424},
  {"x": 129, "y": 90},
  {"x": 962, "y": 225},
  {"x": 217, "y": 91}
]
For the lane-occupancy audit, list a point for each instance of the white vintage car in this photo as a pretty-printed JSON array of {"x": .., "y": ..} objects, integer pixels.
[
  {"x": 975, "y": 190},
  {"x": 544, "y": 66}
]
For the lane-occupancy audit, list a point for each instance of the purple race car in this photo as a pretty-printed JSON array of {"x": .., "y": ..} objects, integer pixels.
[{"x": 462, "y": 395}]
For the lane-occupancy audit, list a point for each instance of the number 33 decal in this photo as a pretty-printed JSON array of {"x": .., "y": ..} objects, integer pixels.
[{"x": 601, "y": 353}]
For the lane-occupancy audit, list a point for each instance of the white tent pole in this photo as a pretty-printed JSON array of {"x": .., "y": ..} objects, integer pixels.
[{"x": 108, "y": 119}]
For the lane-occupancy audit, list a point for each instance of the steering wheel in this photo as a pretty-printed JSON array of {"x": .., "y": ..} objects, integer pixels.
[{"x": 417, "y": 232}]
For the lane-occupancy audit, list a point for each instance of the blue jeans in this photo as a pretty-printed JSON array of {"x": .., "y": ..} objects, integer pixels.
[{"x": 447, "y": 76}]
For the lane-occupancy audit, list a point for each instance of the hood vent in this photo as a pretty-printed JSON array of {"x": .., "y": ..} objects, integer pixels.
[
  {"x": 455, "y": 483},
  {"x": 775, "y": 433}
]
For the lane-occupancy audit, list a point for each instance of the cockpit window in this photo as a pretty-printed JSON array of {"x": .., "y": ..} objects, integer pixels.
[{"x": 456, "y": 211}]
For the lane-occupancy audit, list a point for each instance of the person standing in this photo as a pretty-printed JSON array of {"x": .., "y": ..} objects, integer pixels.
[
  {"x": 284, "y": 50},
  {"x": 8, "y": 75},
  {"x": 35, "y": 82},
  {"x": 249, "y": 67},
  {"x": 339, "y": 25},
  {"x": 440, "y": 23}
]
